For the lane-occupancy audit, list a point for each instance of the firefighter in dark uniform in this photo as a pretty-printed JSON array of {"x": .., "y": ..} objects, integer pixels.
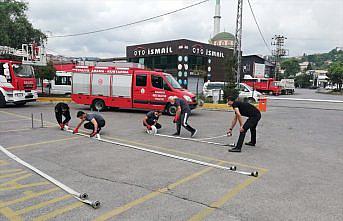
[
  {"x": 247, "y": 110},
  {"x": 62, "y": 109},
  {"x": 95, "y": 122},
  {"x": 151, "y": 119},
  {"x": 182, "y": 114}
]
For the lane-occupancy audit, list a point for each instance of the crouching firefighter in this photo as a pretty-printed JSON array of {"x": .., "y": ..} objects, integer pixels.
[
  {"x": 182, "y": 114},
  {"x": 151, "y": 120},
  {"x": 62, "y": 109},
  {"x": 95, "y": 122}
]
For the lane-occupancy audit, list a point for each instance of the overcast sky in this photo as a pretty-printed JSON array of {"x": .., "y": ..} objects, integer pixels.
[{"x": 311, "y": 26}]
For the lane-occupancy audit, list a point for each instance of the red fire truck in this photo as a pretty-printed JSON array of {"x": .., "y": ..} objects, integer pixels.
[
  {"x": 127, "y": 88},
  {"x": 263, "y": 85},
  {"x": 17, "y": 80}
]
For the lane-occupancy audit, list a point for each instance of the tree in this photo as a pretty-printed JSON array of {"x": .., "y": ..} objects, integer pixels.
[
  {"x": 303, "y": 81},
  {"x": 45, "y": 72},
  {"x": 15, "y": 29},
  {"x": 291, "y": 67},
  {"x": 230, "y": 88},
  {"x": 336, "y": 74},
  {"x": 309, "y": 67}
]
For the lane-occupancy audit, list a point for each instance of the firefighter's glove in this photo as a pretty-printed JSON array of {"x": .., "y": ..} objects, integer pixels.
[
  {"x": 93, "y": 134},
  {"x": 176, "y": 119}
]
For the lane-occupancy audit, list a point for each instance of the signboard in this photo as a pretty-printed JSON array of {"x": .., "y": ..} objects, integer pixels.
[
  {"x": 259, "y": 70},
  {"x": 142, "y": 51},
  {"x": 177, "y": 47}
]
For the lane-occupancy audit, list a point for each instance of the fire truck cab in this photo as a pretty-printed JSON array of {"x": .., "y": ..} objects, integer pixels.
[
  {"x": 17, "y": 80},
  {"x": 127, "y": 88},
  {"x": 17, "y": 83}
]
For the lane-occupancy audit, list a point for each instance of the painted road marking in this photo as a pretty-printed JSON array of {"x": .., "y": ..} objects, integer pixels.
[
  {"x": 58, "y": 212},
  {"x": 168, "y": 149},
  {"x": 23, "y": 129},
  {"x": 10, "y": 171},
  {"x": 16, "y": 115},
  {"x": 12, "y": 174},
  {"x": 190, "y": 154},
  {"x": 152, "y": 195},
  {"x": 40, "y": 143},
  {"x": 15, "y": 180},
  {"x": 304, "y": 99},
  {"x": 29, "y": 195},
  {"x": 24, "y": 186},
  {"x": 220, "y": 202},
  {"x": 24, "y": 117},
  {"x": 16, "y": 215},
  {"x": 43, "y": 204},
  {"x": 13, "y": 185},
  {"x": 8, "y": 121},
  {"x": 3, "y": 162},
  {"x": 10, "y": 214},
  {"x": 198, "y": 216}
]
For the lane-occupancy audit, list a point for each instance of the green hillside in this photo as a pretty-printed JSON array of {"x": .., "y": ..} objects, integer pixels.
[{"x": 323, "y": 61}]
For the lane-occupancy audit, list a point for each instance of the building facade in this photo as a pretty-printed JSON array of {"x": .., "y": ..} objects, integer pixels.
[
  {"x": 257, "y": 67},
  {"x": 190, "y": 62}
]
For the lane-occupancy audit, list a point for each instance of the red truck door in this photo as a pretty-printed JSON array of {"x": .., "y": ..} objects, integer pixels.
[
  {"x": 158, "y": 90},
  {"x": 141, "y": 93}
]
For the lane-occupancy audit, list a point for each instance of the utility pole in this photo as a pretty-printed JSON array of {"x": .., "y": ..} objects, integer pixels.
[
  {"x": 237, "y": 53},
  {"x": 278, "y": 41}
]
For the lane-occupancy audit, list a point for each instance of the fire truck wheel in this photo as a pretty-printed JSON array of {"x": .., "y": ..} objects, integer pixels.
[
  {"x": 2, "y": 100},
  {"x": 171, "y": 109},
  {"x": 99, "y": 105}
]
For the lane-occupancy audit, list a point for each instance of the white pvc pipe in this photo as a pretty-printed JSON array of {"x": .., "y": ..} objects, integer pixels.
[
  {"x": 232, "y": 169},
  {"x": 81, "y": 197}
]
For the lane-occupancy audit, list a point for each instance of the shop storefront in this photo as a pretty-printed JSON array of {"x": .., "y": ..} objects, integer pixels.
[{"x": 191, "y": 63}]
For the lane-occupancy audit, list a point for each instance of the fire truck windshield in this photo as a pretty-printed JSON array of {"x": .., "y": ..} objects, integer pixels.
[
  {"x": 22, "y": 70},
  {"x": 172, "y": 81}
]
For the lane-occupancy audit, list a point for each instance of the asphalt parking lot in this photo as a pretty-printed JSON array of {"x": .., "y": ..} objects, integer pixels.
[{"x": 299, "y": 157}]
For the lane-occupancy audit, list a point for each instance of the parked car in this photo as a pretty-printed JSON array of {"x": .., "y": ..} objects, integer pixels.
[
  {"x": 246, "y": 93},
  {"x": 210, "y": 86}
]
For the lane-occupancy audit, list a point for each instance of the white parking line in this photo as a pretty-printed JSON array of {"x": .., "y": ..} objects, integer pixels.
[{"x": 304, "y": 99}]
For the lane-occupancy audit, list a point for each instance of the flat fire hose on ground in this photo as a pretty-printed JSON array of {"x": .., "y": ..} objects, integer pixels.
[
  {"x": 79, "y": 196},
  {"x": 192, "y": 139},
  {"x": 231, "y": 169},
  {"x": 211, "y": 138}
]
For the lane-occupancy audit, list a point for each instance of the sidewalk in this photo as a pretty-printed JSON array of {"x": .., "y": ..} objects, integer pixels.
[
  {"x": 210, "y": 106},
  {"x": 54, "y": 99},
  {"x": 215, "y": 106}
]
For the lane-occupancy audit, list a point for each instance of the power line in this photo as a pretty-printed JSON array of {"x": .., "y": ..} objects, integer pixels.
[
  {"x": 128, "y": 24},
  {"x": 258, "y": 27}
]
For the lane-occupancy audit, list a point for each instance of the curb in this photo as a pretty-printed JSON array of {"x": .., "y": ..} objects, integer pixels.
[
  {"x": 216, "y": 106},
  {"x": 219, "y": 106},
  {"x": 54, "y": 99}
]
